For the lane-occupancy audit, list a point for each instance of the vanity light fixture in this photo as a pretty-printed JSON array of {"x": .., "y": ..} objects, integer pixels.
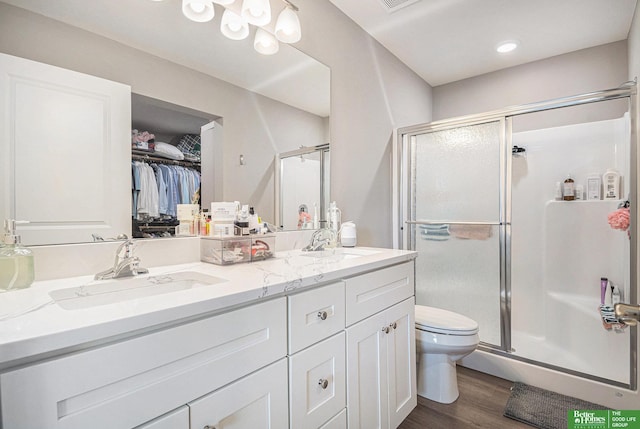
[
  {"x": 198, "y": 10},
  {"x": 507, "y": 46},
  {"x": 234, "y": 26},
  {"x": 288, "y": 25},
  {"x": 235, "y": 21},
  {"x": 265, "y": 42},
  {"x": 256, "y": 12}
]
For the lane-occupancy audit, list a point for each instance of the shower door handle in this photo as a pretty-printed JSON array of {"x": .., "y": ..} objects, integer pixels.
[{"x": 629, "y": 314}]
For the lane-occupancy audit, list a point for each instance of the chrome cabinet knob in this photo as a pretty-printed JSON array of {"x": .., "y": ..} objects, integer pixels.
[
  {"x": 385, "y": 329},
  {"x": 323, "y": 382},
  {"x": 393, "y": 325},
  {"x": 322, "y": 315},
  {"x": 209, "y": 427}
]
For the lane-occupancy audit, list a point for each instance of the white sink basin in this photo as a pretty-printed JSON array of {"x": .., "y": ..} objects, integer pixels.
[
  {"x": 126, "y": 289},
  {"x": 340, "y": 253}
]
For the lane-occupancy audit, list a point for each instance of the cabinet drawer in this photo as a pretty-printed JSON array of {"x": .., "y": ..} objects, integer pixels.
[
  {"x": 318, "y": 383},
  {"x": 370, "y": 293},
  {"x": 178, "y": 419},
  {"x": 315, "y": 315},
  {"x": 131, "y": 382},
  {"x": 338, "y": 422},
  {"x": 258, "y": 401}
]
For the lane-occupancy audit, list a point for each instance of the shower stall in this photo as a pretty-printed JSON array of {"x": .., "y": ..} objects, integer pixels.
[{"x": 478, "y": 200}]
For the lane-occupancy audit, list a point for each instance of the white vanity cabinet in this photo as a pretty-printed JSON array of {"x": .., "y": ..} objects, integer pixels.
[
  {"x": 131, "y": 382},
  {"x": 317, "y": 375},
  {"x": 381, "y": 360}
]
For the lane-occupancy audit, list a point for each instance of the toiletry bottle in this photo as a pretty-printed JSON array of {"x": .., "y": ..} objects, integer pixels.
[
  {"x": 253, "y": 221},
  {"x": 203, "y": 224},
  {"x": 579, "y": 192},
  {"x": 558, "y": 192},
  {"x": 615, "y": 296},
  {"x": 594, "y": 186},
  {"x": 16, "y": 261},
  {"x": 603, "y": 289},
  {"x": 611, "y": 183},
  {"x": 568, "y": 189},
  {"x": 334, "y": 217}
]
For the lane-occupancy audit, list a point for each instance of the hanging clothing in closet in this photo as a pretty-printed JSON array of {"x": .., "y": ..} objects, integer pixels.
[{"x": 157, "y": 189}]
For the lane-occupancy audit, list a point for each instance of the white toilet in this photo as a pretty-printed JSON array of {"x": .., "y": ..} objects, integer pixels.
[{"x": 442, "y": 338}]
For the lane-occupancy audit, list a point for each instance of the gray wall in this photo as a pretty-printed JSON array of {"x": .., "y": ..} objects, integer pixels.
[
  {"x": 372, "y": 92},
  {"x": 587, "y": 70}
]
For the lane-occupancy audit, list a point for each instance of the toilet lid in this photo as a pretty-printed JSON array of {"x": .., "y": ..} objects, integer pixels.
[{"x": 443, "y": 321}]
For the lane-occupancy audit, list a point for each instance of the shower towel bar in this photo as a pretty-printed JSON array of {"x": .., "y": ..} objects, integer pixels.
[{"x": 428, "y": 222}]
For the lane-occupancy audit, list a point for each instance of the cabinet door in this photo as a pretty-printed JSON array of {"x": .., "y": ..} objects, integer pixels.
[
  {"x": 367, "y": 374},
  {"x": 381, "y": 368},
  {"x": 401, "y": 352},
  {"x": 318, "y": 383},
  {"x": 178, "y": 419},
  {"x": 258, "y": 401},
  {"x": 65, "y": 163}
]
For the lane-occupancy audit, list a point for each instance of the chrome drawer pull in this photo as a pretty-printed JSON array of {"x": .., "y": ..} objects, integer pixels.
[
  {"x": 323, "y": 382},
  {"x": 322, "y": 315}
]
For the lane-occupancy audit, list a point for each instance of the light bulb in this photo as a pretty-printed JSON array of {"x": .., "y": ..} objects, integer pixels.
[
  {"x": 256, "y": 12},
  {"x": 288, "y": 26},
  {"x": 198, "y": 10},
  {"x": 234, "y": 26},
  {"x": 265, "y": 43}
]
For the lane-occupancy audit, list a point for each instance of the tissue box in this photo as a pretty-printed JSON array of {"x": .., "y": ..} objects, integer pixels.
[
  {"x": 263, "y": 246},
  {"x": 225, "y": 250}
]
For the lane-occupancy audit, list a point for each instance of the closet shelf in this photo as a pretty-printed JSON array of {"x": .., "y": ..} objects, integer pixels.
[{"x": 146, "y": 156}]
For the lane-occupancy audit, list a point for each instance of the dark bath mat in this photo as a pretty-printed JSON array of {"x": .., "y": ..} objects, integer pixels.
[{"x": 541, "y": 408}]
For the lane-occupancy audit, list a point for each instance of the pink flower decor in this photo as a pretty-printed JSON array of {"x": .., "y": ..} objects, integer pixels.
[{"x": 619, "y": 219}]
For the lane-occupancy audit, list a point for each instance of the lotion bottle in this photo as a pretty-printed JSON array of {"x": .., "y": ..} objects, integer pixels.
[
  {"x": 16, "y": 261},
  {"x": 611, "y": 184}
]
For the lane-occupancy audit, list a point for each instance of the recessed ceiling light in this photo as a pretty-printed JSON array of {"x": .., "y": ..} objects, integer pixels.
[{"x": 507, "y": 46}]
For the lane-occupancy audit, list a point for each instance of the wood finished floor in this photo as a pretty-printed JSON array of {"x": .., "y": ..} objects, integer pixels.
[{"x": 480, "y": 405}]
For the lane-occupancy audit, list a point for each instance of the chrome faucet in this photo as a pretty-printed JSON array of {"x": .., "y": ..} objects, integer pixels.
[
  {"x": 627, "y": 313},
  {"x": 321, "y": 239},
  {"x": 125, "y": 264}
]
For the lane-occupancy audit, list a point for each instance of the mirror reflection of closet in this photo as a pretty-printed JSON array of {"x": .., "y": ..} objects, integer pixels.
[
  {"x": 170, "y": 124},
  {"x": 302, "y": 187}
]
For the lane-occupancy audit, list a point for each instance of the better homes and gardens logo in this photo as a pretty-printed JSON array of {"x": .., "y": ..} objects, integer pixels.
[{"x": 603, "y": 419}]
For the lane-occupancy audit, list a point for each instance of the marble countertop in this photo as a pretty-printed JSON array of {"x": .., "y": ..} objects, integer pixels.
[{"x": 33, "y": 325}]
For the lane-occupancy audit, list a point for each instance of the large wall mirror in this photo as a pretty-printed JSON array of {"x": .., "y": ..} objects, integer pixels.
[{"x": 262, "y": 105}]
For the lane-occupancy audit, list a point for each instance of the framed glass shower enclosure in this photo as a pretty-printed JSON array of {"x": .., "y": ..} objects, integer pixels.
[{"x": 477, "y": 200}]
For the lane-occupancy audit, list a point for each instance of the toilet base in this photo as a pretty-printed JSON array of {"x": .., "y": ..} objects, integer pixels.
[{"x": 437, "y": 378}]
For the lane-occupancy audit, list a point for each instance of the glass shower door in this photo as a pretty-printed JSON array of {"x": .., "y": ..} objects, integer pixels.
[{"x": 457, "y": 219}]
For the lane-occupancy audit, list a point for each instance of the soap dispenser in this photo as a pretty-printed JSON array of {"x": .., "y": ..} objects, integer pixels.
[{"x": 16, "y": 261}]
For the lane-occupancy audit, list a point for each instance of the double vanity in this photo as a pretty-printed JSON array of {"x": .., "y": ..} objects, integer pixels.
[{"x": 302, "y": 340}]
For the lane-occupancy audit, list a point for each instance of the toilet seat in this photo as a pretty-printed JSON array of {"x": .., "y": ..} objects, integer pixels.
[{"x": 439, "y": 321}]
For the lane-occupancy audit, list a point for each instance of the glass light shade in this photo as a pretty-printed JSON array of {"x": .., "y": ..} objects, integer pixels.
[
  {"x": 234, "y": 26},
  {"x": 224, "y": 2},
  {"x": 288, "y": 26},
  {"x": 198, "y": 10},
  {"x": 256, "y": 12},
  {"x": 265, "y": 42}
]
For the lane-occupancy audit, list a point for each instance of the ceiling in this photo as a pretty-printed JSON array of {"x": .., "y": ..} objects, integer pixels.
[
  {"x": 441, "y": 40},
  {"x": 448, "y": 40},
  {"x": 160, "y": 28}
]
